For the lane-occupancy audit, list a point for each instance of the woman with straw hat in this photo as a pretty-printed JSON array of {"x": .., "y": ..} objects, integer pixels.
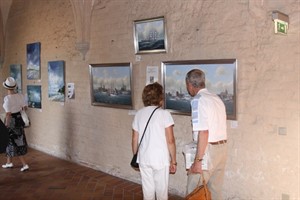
[{"x": 13, "y": 104}]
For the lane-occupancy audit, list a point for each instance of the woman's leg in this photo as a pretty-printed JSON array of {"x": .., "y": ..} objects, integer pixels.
[
  {"x": 8, "y": 163},
  {"x": 8, "y": 159},
  {"x": 22, "y": 159},
  {"x": 25, "y": 166},
  {"x": 147, "y": 182},
  {"x": 161, "y": 181}
]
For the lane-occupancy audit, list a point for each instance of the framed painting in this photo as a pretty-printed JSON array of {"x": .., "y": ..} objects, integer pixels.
[
  {"x": 34, "y": 93},
  {"x": 220, "y": 78},
  {"x": 56, "y": 81},
  {"x": 33, "y": 61},
  {"x": 15, "y": 71},
  {"x": 111, "y": 85},
  {"x": 150, "y": 36}
]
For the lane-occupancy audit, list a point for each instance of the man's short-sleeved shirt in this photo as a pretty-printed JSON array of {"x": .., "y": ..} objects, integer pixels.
[{"x": 209, "y": 113}]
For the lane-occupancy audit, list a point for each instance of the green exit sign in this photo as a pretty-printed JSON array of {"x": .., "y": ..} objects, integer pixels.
[{"x": 281, "y": 27}]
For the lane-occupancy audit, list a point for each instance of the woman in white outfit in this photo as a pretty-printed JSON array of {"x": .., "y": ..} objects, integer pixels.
[
  {"x": 157, "y": 152},
  {"x": 13, "y": 104}
]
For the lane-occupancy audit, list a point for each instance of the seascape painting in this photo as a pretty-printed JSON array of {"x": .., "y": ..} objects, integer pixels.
[
  {"x": 33, "y": 61},
  {"x": 56, "y": 81},
  {"x": 150, "y": 36},
  {"x": 34, "y": 93},
  {"x": 111, "y": 85},
  {"x": 16, "y": 73},
  {"x": 220, "y": 78}
]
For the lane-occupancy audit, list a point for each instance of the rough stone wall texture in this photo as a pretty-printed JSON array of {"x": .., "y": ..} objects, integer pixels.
[{"x": 261, "y": 165}]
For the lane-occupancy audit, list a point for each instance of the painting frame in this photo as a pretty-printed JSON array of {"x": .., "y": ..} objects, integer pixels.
[
  {"x": 15, "y": 71},
  {"x": 221, "y": 79},
  {"x": 150, "y": 35},
  {"x": 34, "y": 94},
  {"x": 33, "y": 56},
  {"x": 111, "y": 85},
  {"x": 56, "y": 80}
]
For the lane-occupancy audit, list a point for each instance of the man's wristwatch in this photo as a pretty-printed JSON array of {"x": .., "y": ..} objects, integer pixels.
[{"x": 198, "y": 159}]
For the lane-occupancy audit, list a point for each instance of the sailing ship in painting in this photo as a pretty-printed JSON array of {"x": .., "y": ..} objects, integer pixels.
[
  {"x": 150, "y": 35},
  {"x": 152, "y": 42},
  {"x": 113, "y": 95}
]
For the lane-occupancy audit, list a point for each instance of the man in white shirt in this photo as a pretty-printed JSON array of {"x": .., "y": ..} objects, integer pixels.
[{"x": 209, "y": 120}]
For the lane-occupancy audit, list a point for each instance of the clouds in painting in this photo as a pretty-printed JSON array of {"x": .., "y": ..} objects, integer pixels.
[
  {"x": 146, "y": 28},
  {"x": 33, "y": 56},
  {"x": 219, "y": 77},
  {"x": 111, "y": 77},
  {"x": 33, "y": 61}
]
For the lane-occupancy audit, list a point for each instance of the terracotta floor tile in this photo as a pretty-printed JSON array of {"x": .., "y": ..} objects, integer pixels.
[{"x": 51, "y": 178}]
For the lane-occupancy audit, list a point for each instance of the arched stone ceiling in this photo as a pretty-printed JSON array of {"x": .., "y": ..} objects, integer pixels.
[{"x": 82, "y": 10}]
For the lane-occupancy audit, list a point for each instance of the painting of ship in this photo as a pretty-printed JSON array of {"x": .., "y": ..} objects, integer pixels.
[{"x": 111, "y": 85}]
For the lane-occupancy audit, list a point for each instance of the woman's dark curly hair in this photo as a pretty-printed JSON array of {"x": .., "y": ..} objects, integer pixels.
[{"x": 152, "y": 94}]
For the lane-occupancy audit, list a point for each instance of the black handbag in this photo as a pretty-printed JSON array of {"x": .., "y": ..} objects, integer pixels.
[{"x": 133, "y": 162}]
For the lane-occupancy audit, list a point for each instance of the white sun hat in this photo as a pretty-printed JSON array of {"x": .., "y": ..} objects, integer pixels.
[{"x": 10, "y": 83}]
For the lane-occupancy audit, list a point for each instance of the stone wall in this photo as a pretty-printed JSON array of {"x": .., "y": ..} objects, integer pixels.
[{"x": 262, "y": 164}]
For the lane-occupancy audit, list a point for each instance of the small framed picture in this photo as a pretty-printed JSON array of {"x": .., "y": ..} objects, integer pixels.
[
  {"x": 150, "y": 36},
  {"x": 34, "y": 93},
  {"x": 56, "y": 80},
  {"x": 16, "y": 73}
]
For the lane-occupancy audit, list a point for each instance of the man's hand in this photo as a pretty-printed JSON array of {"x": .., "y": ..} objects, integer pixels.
[{"x": 196, "y": 168}]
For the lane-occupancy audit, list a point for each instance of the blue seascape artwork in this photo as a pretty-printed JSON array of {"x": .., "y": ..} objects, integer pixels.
[
  {"x": 56, "y": 81},
  {"x": 33, "y": 61},
  {"x": 16, "y": 73},
  {"x": 34, "y": 96}
]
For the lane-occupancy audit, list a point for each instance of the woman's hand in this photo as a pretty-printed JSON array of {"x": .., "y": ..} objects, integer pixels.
[{"x": 173, "y": 168}]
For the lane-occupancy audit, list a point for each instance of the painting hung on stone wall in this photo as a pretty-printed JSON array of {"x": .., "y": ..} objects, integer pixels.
[
  {"x": 220, "y": 78},
  {"x": 16, "y": 73},
  {"x": 56, "y": 81},
  {"x": 34, "y": 93},
  {"x": 111, "y": 85},
  {"x": 33, "y": 61},
  {"x": 150, "y": 36}
]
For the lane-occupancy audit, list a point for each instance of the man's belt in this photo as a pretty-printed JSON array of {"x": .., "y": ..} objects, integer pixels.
[{"x": 219, "y": 142}]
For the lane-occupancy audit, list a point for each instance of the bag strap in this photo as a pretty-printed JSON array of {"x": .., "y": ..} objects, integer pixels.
[
  {"x": 146, "y": 128},
  {"x": 203, "y": 182}
]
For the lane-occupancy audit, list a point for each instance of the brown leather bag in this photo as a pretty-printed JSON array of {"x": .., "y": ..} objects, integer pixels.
[{"x": 201, "y": 192}]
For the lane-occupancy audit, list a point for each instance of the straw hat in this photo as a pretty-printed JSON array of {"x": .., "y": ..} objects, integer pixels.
[{"x": 10, "y": 83}]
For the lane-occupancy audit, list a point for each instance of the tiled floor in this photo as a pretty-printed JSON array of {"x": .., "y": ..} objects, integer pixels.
[{"x": 50, "y": 178}]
